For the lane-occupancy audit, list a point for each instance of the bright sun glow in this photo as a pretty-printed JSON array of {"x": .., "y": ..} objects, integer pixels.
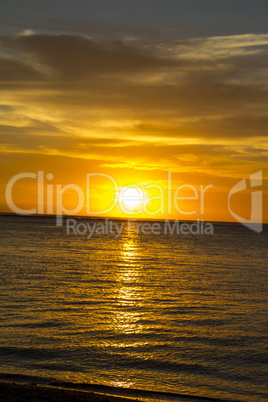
[{"x": 131, "y": 198}]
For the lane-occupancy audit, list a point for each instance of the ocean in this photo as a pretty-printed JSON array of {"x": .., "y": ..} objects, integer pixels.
[{"x": 170, "y": 313}]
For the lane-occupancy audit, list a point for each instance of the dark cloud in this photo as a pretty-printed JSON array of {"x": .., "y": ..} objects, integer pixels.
[
  {"x": 12, "y": 70},
  {"x": 82, "y": 26},
  {"x": 76, "y": 57},
  {"x": 6, "y": 108},
  {"x": 34, "y": 127}
]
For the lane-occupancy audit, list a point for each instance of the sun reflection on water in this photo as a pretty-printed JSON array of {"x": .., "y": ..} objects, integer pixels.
[
  {"x": 128, "y": 275},
  {"x": 122, "y": 384}
]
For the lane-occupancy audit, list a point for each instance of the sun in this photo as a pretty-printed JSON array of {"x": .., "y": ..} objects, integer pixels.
[{"x": 131, "y": 199}]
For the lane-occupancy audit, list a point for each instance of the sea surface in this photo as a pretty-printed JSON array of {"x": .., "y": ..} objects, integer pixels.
[{"x": 167, "y": 312}]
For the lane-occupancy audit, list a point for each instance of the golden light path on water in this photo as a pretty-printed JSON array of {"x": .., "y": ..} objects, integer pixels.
[{"x": 127, "y": 277}]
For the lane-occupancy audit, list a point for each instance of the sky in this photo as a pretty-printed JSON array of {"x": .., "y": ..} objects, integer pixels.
[{"x": 133, "y": 91}]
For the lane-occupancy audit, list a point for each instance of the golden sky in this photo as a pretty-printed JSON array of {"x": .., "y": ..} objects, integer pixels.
[{"x": 73, "y": 105}]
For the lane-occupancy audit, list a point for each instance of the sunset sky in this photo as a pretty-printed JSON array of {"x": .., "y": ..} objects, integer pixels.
[{"x": 134, "y": 90}]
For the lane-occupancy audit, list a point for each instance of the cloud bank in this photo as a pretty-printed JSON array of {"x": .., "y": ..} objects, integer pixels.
[{"x": 196, "y": 106}]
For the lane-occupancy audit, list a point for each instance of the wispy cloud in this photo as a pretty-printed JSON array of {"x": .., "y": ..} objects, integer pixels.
[{"x": 145, "y": 106}]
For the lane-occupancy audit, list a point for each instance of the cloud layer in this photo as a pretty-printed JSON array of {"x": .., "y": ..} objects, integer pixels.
[{"x": 196, "y": 106}]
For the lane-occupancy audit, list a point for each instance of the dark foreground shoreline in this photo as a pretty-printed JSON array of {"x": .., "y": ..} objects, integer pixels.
[
  {"x": 31, "y": 392},
  {"x": 15, "y": 392},
  {"x": 24, "y": 388}
]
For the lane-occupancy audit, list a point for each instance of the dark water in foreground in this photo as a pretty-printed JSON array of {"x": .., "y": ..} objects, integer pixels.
[{"x": 173, "y": 313}]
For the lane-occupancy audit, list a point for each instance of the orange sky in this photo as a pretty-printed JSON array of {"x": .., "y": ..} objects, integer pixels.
[{"x": 72, "y": 105}]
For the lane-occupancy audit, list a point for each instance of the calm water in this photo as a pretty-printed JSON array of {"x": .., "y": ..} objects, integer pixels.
[{"x": 174, "y": 313}]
